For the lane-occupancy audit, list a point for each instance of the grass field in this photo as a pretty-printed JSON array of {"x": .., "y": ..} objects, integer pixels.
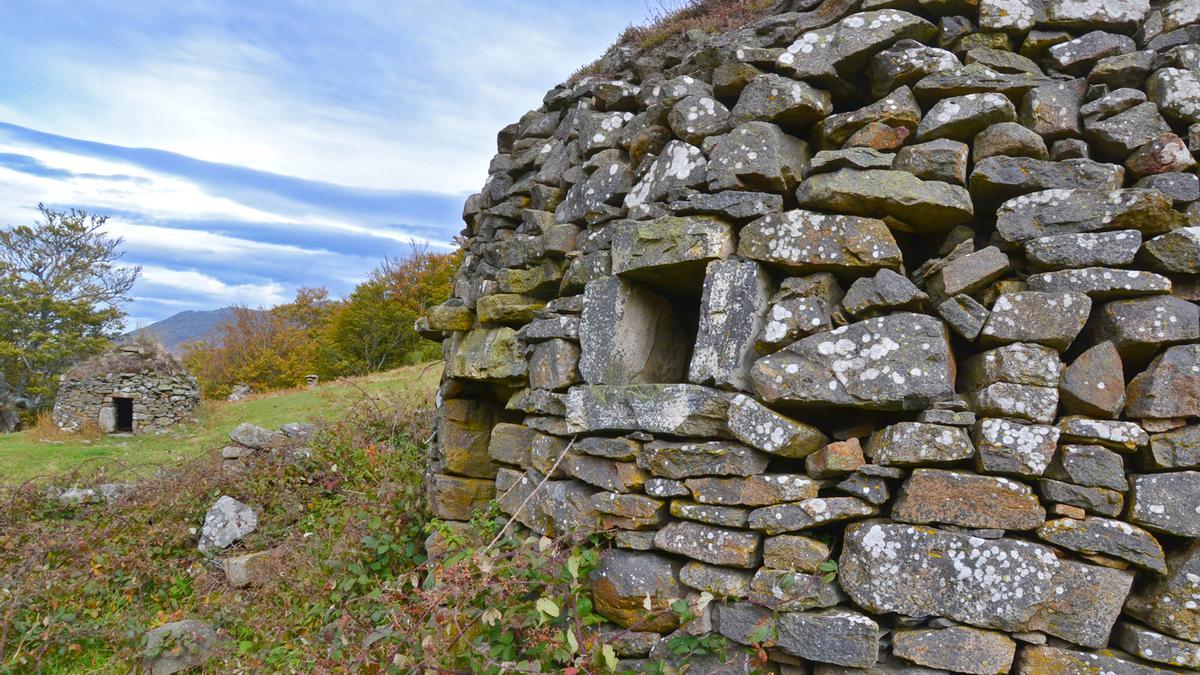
[{"x": 122, "y": 458}]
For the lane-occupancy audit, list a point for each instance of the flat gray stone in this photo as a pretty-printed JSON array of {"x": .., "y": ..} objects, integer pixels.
[
  {"x": 687, "y": 459},
  {"x": 895, "y": 362},
  {"x": 679, "y": 165},
  {"x": 890, "y": 567},
  {"x": 1089, "y": 465},
  {"x": 792, "y": 104},
  {"x": 835, "y": 636},
  {"x": 1011, "y": 447},
  {"x": 673, "y": 409},
  {"x": 1176, "y": 91},
  {"x": 179, "y": 646},
  {"x": 733, "y": 311},
  {"x": 825, "y": 54},
  {"x": 809, "y": 513},
  {"x": 1166, "y": 502},
  {"x": 1141, "y": 327},
  {"x": 1175, "y": 251},
  {"x": 1103, "y": 536},
  {"x": 1043, "y": 317},
  {"x": 919, "y": 444},
  {"x": 924, "y": 206},
  {"x": 671, "y": 251},
  {"x": 629, "y": 335},
  {"x": 995, "y": 180},
  {"x": 764, "y": 429},
  {"x": 1154, "y": 646},
  {"x": 1071, "y": 211},
  {"x": 960, "y": 649},
  {"x": 710, "y": 544},
  {"x": 960, "y": 118},
  {"x": 1090, "y": 249},
  {"x": 760, "y": 490},
  {"x": 1101, "y": 501},
  {"x": 1101, "y": 283},
  {"x": 804, "y": 242}
]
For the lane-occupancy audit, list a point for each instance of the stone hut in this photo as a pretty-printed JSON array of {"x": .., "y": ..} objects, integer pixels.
[
  {"x": 870, "y": 328},
  {"x": 132, "y": 388}
]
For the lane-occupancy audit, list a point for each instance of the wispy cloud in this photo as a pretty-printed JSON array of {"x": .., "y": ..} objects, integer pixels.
[{"x": 245, "y": 149}]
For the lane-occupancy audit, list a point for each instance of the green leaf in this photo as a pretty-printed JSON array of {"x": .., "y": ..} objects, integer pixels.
[
  {"x": 610, "y": 657},
  {"x": 572, "y": 641},
  {"x": 573, "y": 566},
  {"x": 546, "y": 606}
]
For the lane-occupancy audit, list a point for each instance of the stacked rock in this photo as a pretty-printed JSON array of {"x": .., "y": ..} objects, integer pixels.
[{"x": 876, "y": 324}]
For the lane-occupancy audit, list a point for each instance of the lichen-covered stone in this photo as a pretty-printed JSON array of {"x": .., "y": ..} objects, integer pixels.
[
  {"x": 733, "y": 311},
  {"x": 1106, "y": 537},
  {"x": 1094, "y": 384},
  {"x": 1176, "y": 91},
  {"x": 967, "y": 500},
  {"x": 803, "y": 242},
  {"x": 710, "y": 544},
  {"x": 791, "y": 591},
  {"x": 809, "y": 513},
  {"x": 679, "y": 165},
  {"x": 821, "y": 55},
  {"x": 886, "y": 291},
  {"x": 889, "y": 567},
  {"x": 1154, "y": 646},
  {"x": 1072, "y": 211},
  {"x": 1096, "y": 249},
  {"x": 1175, "y": 251},
  {"x": 1035, "y": 659},
  {"x": 1175, "y": 449},
  {"x": 1051, "y": 318},
  {"x": 1166, "y": 502},
  {"x": 833, "y": 636},
  {"x": 791, "y": 104},
  {"x": 794, "y": 552},
  {"x": 663, "y": 250},
  {"x": 764, "y": 429},
  {"x": 1101, "y": 501},
  {"x": 919, "y": 444},
  {"x": 757, "y": 490},
  {"x": 968, "y": 274},
  {"x": 960, "y": 118},
  {"x": 457, "y": 498},
  {"x": 673, "y": 459},
  {"x": 1101, "y": 283},
  {"x": 486, "y": 355},
  {"x": 899, "y": 361},
  {"x": 1010, "y": 447},
  {"x": 757, "y": 156},
  {"x": 923, "y": 206},
  {"x": 722, "y": 582},
  {"x": 960, "y": 649},
  {"x": 1124, "y": 437},
  {"x": 674, "y": 409},
  {"x": 1091, "y": 465},
  {"x": 711, "y": 514},
  {"x": 1171, "y": 603}
]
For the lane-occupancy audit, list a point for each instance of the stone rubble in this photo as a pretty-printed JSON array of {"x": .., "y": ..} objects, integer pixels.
[{"x": 877, "y": 322}]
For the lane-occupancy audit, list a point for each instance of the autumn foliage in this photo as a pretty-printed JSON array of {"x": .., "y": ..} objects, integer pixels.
[{"x": 368, "y": 331}]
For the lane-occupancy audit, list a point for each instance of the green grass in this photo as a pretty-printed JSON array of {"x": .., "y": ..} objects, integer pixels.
[{"x": 124, "y": 458}]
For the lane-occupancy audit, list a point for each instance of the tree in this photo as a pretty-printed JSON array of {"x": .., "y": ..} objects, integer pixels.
[
  {"x": 61, "y": 285},
  {"x": 266, "y": 349},
  {"x": 372, "y": 330}
]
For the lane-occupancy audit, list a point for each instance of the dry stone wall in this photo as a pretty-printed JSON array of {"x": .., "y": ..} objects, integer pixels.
[{"x": 870, "y": 329}]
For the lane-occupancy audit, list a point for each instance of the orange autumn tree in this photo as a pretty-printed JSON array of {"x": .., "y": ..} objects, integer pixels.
[
  {"x": 372, "y": 329},
  {"x": 266, "y": 349}
]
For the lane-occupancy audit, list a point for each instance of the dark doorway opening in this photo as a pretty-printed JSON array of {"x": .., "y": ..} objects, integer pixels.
[{"x": 124, "y": 410}]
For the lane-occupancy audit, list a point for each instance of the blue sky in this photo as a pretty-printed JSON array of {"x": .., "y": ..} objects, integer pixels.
[{"x": 243, "y": 149}]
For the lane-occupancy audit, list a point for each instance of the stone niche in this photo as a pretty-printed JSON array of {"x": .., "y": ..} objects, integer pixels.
[
  {"x": 876, "y": 322},
  {"x": 133, "y": 388}
]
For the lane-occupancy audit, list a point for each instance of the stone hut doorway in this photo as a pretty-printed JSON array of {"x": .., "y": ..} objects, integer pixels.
[{"x": 123, "y": 409}]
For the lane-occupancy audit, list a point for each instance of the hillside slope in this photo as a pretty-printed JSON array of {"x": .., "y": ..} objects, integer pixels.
[{"x": 176, "y": 330}]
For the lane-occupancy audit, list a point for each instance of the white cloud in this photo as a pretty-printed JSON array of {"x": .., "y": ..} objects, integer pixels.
[{"x": 191, "y": 283}]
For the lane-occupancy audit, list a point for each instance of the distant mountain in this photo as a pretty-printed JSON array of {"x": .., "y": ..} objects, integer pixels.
[{"x": 184, "y": 327}]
